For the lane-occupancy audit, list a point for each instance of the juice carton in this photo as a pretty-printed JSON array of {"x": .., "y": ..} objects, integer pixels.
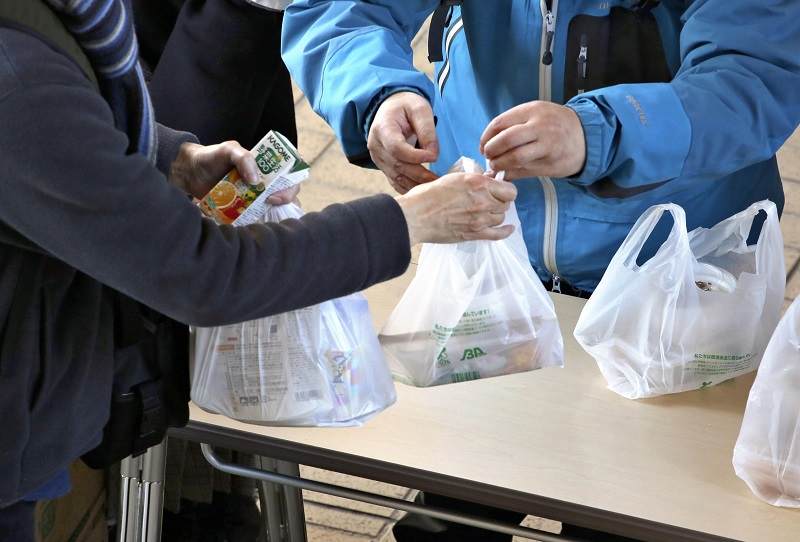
[{"x": 234, "y": 201}]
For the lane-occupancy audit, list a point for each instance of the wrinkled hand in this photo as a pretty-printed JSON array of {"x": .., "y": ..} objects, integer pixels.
[
  {"x": 535, "y": 139},
  {"x": 198, "y": 168},
  {"x": 404, "y": 117},
  {"x": 458, "y": 207}
]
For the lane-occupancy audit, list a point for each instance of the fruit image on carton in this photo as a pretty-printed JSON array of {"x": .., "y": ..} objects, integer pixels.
[{"x": 234, "y": 201}]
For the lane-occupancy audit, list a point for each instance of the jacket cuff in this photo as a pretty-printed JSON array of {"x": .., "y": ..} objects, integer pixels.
[
  {"x": 386, "y": 233},
  {"x": 599, "y": 132},
  {"x": 381, "y": 97},
  {"x": 169, "y": 143}
]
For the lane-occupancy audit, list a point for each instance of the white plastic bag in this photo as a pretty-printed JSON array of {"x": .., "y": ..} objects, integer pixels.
[
  {"x": 767, "y": 453},
  {"x": 317, "y": 366},
  {"x": 474, "y": 310},
  {"x": 699, "y": 312}
]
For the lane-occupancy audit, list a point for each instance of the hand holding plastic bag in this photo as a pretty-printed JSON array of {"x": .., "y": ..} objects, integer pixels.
[
  {"x": 699, "y": 312},
  {"x": 767, "y": 453},
  {"x": 474, "y": 310},
  {"x": 321, "y": 365}
]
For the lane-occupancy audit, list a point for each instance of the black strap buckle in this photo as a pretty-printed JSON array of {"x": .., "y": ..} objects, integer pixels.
[{"x": 152, "y": 422}]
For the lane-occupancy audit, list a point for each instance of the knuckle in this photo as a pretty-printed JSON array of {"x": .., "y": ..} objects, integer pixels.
[
  {"x": 476, "y": 223},
  {"x": 482, "y": 206},
  {"x": 419, "y": 108},
  {"x": 476, "y": 182}
]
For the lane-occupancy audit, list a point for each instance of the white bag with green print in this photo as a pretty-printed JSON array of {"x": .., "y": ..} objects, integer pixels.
[
  {"x": 699, "y": 312},
  {"x": 474, "y": 310}
]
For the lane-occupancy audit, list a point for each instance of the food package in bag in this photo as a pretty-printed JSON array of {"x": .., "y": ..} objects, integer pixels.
[
  {"x": 767, "y": 452},
  {"x": 317, "y": 366},
  {"x": 474, "y": 310},
  {"x": 699, "y": 312}
]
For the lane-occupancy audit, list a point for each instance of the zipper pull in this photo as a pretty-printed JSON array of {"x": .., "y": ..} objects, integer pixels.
[
  {"x": 556, "y": 284},
  {"x": 583, "y": 57},
  {"x": 550, "y": 30}
]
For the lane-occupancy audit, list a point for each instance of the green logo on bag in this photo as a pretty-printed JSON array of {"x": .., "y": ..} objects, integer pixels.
[
  {"x": 442, "y": 359},
  {"x": 472, "y": 353}
]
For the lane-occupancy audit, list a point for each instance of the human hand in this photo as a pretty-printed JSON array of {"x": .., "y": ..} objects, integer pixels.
[
  {"x": 198, "y": 168},
  {"x": 289, "y": 195},
  {"x": 535, "y": 139},
  {"x": 458, "y": 207},
  {"x": 402, "y": 118}
]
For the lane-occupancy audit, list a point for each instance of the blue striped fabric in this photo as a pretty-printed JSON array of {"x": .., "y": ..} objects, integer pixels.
[{"x": 104, "y": 30}]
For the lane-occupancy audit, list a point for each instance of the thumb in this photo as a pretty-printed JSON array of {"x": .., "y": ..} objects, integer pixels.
[{"x": 420, "y": 117}]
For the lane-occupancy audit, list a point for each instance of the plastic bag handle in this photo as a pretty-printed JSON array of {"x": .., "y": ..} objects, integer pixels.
[
  {"x": 742, "y": 224},
  {"x": 643, "y": 228},
  {"x": 770, "y": 223},
  {"x": 771, "y": 227}
]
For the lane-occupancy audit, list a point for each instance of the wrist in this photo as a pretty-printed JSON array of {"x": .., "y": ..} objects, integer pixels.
[
  {"x": 406, "y": 205},
  {"x": 180, "y": 171},
  {"x": 598, "y": 138},
  {"x": 379, "y": 99}
]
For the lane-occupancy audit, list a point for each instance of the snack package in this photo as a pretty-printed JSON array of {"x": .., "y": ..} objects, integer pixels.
[
  {"x": 474, "y": 310},
  {"x": 317, "y": 366},
  {"x": 234, "y": 201},
  {"x": 697, "y": 313}
]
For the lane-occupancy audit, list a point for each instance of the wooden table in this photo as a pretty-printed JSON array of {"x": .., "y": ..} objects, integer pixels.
[{"x": 553, "y": 443}]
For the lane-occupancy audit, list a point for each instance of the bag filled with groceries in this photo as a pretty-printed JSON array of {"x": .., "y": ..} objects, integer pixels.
[
  {"x": 317, "y": 366},
  {"x": 699, "y": 312},
  {"x": 474, "y": 310},
  {"x": 767, "y": 453}
]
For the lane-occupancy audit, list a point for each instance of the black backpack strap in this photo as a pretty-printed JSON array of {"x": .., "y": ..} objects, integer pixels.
[
  {"x": 35, "y": 16},
  {"x": 151, "y": 382},
  {"x": 439, "y": 21}
]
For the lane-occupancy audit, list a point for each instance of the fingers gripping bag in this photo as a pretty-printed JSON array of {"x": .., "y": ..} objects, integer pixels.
[
  {"x": 317, "y": 366},
  {"x": 767, "y": 452},
  {"x": 474, "y": 310},
  {"x": 699, "y": 312}
]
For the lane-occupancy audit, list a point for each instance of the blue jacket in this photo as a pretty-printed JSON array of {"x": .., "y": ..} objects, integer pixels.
[{"x": 722, "y": 94}]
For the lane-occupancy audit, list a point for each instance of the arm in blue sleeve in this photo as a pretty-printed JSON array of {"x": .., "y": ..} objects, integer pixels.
[
  {"x": 343, "y": 54},
  {"x": 733, "y": 102}
]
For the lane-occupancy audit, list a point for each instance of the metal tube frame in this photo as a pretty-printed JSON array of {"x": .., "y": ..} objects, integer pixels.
[
  {"x": 142, "y": 496},
  {"x": 154, "y": 463},
  {"x": 293, "y": 504},
  {"x": 271, "y": 507},
  {"x": 380, "y": 500},
  {"x": 281, "y": 506},
  {"x": 127, "y": 523}
]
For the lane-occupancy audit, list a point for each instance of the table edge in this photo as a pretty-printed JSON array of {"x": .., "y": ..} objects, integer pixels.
[{"x": 373, "y": 469}]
